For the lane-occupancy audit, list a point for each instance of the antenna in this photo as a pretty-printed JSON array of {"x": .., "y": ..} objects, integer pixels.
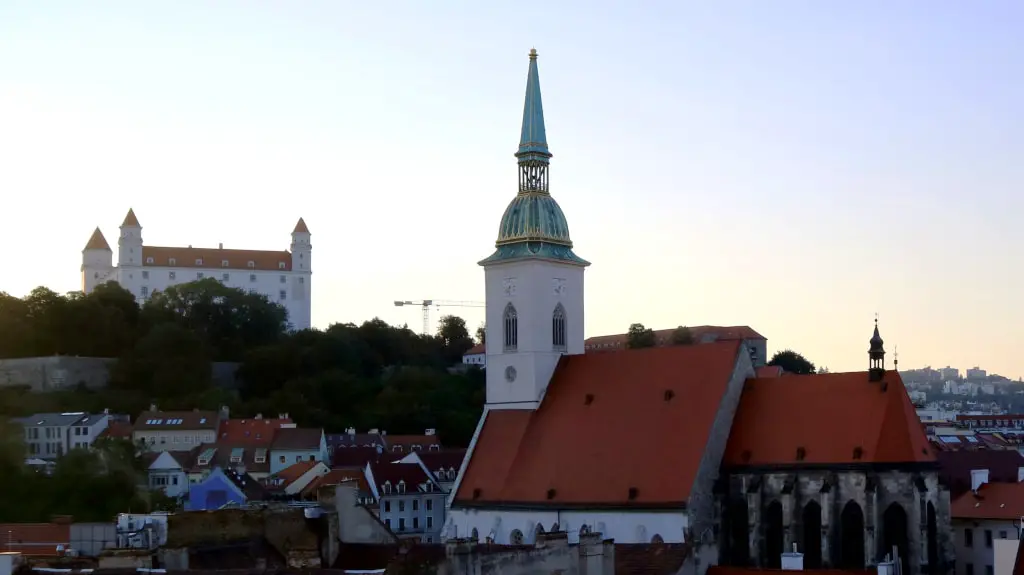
[{"x": 896, "y": 358}]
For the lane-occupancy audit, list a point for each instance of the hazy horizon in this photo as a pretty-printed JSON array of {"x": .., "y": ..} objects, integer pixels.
[{"x": 792, "y": 166}]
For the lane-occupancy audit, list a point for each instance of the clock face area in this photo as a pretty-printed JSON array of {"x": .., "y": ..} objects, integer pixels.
[{"x": 510, "y": 374}]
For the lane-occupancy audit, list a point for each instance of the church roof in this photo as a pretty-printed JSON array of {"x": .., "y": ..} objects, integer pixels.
[
  {"x": 534, "y": 138},
  {"x": 300, "y": 227},
  {"x": 130, "y": 220},
  {"x": 97, "y": 241},
  {"x": 826, "y": 419},
  {"x": 614, "y": 429},
  {"x": 210, "y": 258}
]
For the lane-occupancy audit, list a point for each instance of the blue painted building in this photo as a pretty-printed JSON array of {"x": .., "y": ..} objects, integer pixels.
[
  {"x": 293, "y": 445},
  {"x": 214, "y": 492}
]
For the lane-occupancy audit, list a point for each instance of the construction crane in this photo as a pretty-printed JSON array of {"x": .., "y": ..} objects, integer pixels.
[{"x": 426, "y": 304}]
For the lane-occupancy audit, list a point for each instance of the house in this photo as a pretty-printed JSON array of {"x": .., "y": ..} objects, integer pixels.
[
  {"x": 476, "y": 355},
  {"x": 214, "y": 492},
  {"x": 291, "y": 480},
  {"x": 443, "y": 465},
  {"x": 322, "y": 488},
  {"x": 982, "y": 517},
  {"x": 254, "y": 461},
  {"x": 50, "y": 435},
  {"x": 256, "y": 432},
  {"x": 429, "y": 441},
  {"x": 175, "y": 430},
  {"x": 411, "y": 503},
  {"x": 292, "y": 445},
  {"x": 956, "y": 467},
  {"x": 360, "y": 456},
  {"x": 350, "y": 440},
  {"x": 166, "y": 471},
  {"x": 35, "y": 539}
]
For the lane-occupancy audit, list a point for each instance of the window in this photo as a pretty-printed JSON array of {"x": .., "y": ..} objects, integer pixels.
[
  {"x": 430, "y": 504},
  {"x": 148, "y": 261},
  {"x": 401, "y": 523},
  {"x": 1002, "y": 534},
  {"x": 144, "y": 291},
  {"x": 282, "y": 460},
  {"x": 199, "y": 275},
  {"x": 415, "y": 522},
  {"x": 283, "y": 279},
  {"x": 199, "y": 261},
  {"x": 430, "y": 522},
  {"x": 415, "y": 504},
  {"x": 224, "y": 263},
  {"x": 280, "y": 265},
  {"x": 284, "y": 294},
  {"x": 252, "y": 278},
  {"x": 172, "y": 262},
  {"x": 968, "y": 537},
  {"x": 172, "y": 275},
  {"x": 145, "y": 274},
  {"x": 387, "y": 487},
  {"x": 988, "y": 538},
  {"x": 989, "y": 570},
  {"x": 302, "y": 281},
  {"x": 401, "y": 504},
  {"x": 387, "y": 504},
  {"x": 225, "y": 277},
  {"x": 388, "y": 523},
  {"x": 558, "y": 328},
  {"x": 298, "y": 458},
  {"x": 511, "y": 328}
]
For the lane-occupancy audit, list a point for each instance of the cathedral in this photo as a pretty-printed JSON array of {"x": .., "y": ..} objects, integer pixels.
[
  {"x": 285, "y": 276},
  {"x": 690, "y": 443}
]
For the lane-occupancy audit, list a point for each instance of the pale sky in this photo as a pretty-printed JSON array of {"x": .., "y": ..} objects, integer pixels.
[{"x": 795, "y": 166}]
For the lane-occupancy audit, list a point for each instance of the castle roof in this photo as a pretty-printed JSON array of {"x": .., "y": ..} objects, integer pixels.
[
  {"x": 300, "y": 227},
  {"x": 258, "y": 260},
  {"x": 97, "y": 241},
  {"x": 826, "y": 419},
  {"x": 130, "y": 220},
  {"x": 616, "y": 429}
]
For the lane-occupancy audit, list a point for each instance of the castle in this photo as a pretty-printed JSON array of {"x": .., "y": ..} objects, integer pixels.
[{"x": 285, "y": 277}]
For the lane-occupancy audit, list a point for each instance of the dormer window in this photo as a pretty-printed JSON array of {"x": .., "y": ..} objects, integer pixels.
[
  {"x": 396, "y": 448},
  {"x": 417, "y": 447},
  {"x": 401, "y": 486},
  {"x": 435, "y": 447},
  {"x": 203, "y": 461},
  {"x": 252, "y": 265},
  {"x": 172, "y": 262},
  {"x": 387, "y": 487},
  {"x": 149, "y": 260},
  {"x": 199, "y": 261},
  {"x": 280, "y": 265},
  {"x": 224, "y": 263}
]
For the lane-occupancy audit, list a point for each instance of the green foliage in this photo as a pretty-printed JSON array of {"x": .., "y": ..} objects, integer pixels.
[
  {"x": 640, "y": 336},
  {"x": 455, "y": 338},
  {"x": 481, "y": 334},
  {"x": 682, "y": 336},
  {"x": 792, "y": 362}
]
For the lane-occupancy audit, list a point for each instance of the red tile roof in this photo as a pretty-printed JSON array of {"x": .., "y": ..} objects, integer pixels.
[
  {"x": 211, "y": 258},
  {"x": 117, "y": 430},
  {"x": 475, "y": 350},
  {"x": 993, "y": 501},
  {"x": 130, "y": 219},
  {"x": 97, "y": 241},
  {"x": 176, "y": 420},
  {"x": 406, "y": 443},
  {"x": 358, "y": 456},
  {"x": 955, "y": 467},
  {"x": 625, "y": 428},
  {"x": 445, "y": 459},
  {"x": 250, "y": 432},
  {"x": 411, "y": 473},
  {"x": 651, "y": 558},
  {"x": 834, "y": 418},
  {"x": 336, "y": 476},
  {"x": 298, "y": 438},
  {"x": 300, "y": 227},
  {"x": 34, "y": 539},
  {"x": 769, "y": 371},
  {"x": 293, "y": 472}
]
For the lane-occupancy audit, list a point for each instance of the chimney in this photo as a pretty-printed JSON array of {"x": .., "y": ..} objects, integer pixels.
[
  {"x": 793, "y": 561},
  {"x": 106, "y": 411},
  {"x": 152, "y": 407},
  {"x": 430, "y": 431},
  {"x": 225, "y": 412},
  {"x": 282, "y": 416},
  {"x": 979, "y": 477},
  {"x": 220, "y": 246},
  {"x": 374, "y": 431},
  {"x": 351, "y": 431},
  {"x": 259, "y": 416}
]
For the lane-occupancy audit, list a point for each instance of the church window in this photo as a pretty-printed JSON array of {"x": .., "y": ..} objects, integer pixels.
[
  {"x": 511, "y": 321},
  {"x": 558, "y": 328}
]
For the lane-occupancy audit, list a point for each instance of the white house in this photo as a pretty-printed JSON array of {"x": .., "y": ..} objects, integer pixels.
[
  {"x": 983, "y": 517},
  {"x": 285, "y": 276}
]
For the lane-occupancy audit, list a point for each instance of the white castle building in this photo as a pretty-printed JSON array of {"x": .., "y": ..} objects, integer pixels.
[{"x": 283, "y": 276}]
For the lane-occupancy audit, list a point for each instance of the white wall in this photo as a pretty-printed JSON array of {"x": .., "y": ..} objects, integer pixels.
[
  {"x": 1005, "y": 556},
  {"x": 623, "y": 526},
  {"x": 979, "y": 554}
]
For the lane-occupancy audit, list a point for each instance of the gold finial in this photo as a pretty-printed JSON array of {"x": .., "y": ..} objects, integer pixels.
[{"x": 533, "y": 53}]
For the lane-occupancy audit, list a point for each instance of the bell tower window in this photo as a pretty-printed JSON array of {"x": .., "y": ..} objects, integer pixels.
[
  {"x": 511, "y": 323},
  {"x": 558, "y": 328}
]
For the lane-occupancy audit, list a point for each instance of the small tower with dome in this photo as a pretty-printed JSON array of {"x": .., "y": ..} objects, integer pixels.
[
  {"x": 534, "y": 280},
  {"x": 876, "y": 356}
]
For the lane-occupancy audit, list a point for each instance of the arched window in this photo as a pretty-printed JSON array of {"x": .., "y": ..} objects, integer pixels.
[
  {"x": 657, "y": 539},
  {"x": 475, "y": 535},
  {"x": 511, "y": 328},
  {"x": 558, "y": 328},
  {"x": 516, "y": 537}
]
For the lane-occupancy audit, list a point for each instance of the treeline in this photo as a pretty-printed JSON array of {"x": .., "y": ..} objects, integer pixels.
[{"x": 372, "y": 375}]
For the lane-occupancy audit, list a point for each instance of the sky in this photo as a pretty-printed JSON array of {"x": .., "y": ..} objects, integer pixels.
[{"x": 795, "y": 166}]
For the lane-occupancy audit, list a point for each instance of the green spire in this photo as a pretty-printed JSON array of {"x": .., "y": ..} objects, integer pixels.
[{"x": 533, "y": 143}]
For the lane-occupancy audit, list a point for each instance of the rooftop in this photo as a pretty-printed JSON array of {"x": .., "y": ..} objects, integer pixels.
[
  {"x": 992, "y": 501},
  {"x": 176, "y": 420}
]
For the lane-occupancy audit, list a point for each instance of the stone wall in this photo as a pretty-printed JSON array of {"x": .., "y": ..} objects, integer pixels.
[
  {"x": 53, "y": 373},
  {"x": 551, "y": 554},
  {"x": 286, "y": 529}
]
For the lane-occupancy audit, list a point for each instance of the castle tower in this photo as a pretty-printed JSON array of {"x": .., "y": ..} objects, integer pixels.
[
  {"x": 302, "y": 268},
  {"x": 129, "y": 245},
  {"x": 533, "y": 280},
  {"x": 97, "y": 262},
  {"x": 876, "y": 356}
]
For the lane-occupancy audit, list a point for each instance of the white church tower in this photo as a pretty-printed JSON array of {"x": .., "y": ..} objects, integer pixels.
[{"x": 534, "y": 281}]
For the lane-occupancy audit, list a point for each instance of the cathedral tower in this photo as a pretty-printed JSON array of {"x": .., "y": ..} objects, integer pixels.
[{"x": 534, "y": 281}]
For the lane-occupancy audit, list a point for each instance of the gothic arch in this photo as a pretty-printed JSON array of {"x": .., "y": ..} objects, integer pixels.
[
  {"x": 895, "y": 534},
  {"x": 558, "y": 328},
  {"x": 475, "y": 535},
  {"x": 933, "y": 540},
  {"x": 739, "y": 532},
  {"x": 657, "y": 540},
  {"x": 510, "y": 321},
  {"x": 812, "y": 535},
  {"x": 851, "y": 537},
  {"x": 774, "y": 538}
]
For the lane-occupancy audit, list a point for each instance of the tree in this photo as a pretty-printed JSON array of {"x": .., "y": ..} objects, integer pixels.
[
  {"x": 481, "y": 334},
  {"x": 682, "y": 336},
  {"x": 169, "y": 362},
  {"x": 640, "y": 336},
  {"x": 792, "y": 362},
  {"x": 452, "y": 331}
]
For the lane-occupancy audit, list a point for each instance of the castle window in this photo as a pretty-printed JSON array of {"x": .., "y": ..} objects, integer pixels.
[
  {"x": 145, "y": 275},
  {"x": 302, "y": 281},
  {"x": 149, "y": 260},
  {"x": 280, "y": 265},
  {"x": 199, "y": 261},
  {"x": 252, "y": 278},
  {"x": 172, "y": 275},
  {"x": 172, "y": 262},
  {"x": 283, "y": 280},
  {"x": 511, "y": 328},
  {"x": 284, "y": 294},
  {"x": 144, "y": 291},
  {"x": 224, "y": 263},
  {"x": 199, "y": 275},
  {"x": 558, "y": 328},
  {"x": 225, "y": 277}
]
